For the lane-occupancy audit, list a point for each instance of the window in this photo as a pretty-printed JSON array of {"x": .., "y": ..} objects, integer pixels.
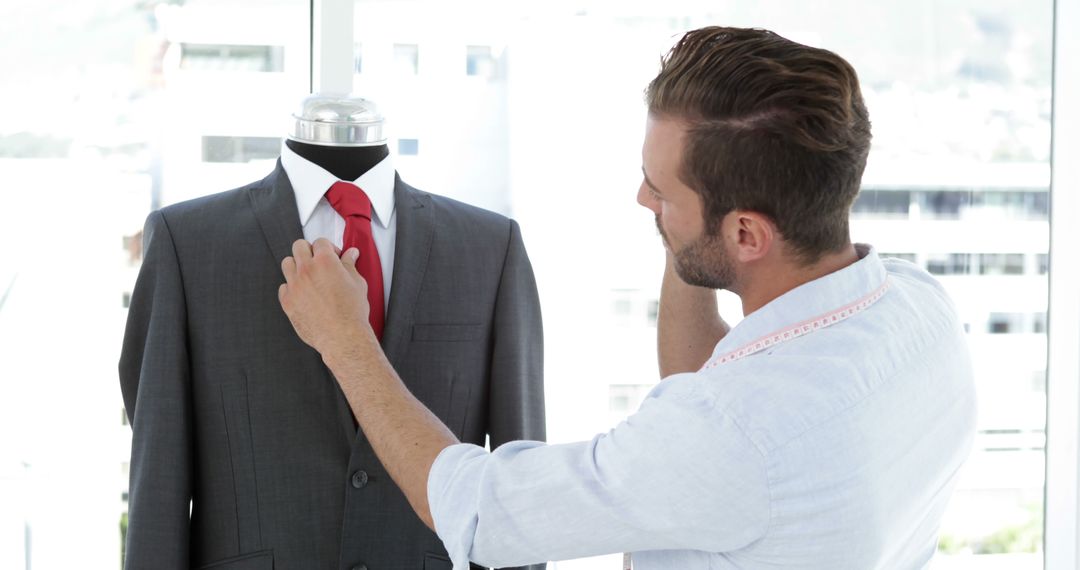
[
  {"x": 1017, "y": 205},
  {"x": 231, "y": 58},
  {"x": 7, "y": 285},
  {"x": 132, "y": 247},
  {"x": 240, "y": 149},
  {"x": 24, "y": 144},
  {"x": 949, "y": 263},
  {"x": 1038, "y": 326},
  {"x": 479, "y": 62},
  {"x": 408, "y": 147},
  {"x": 1001, "y": 263},
  {"x": 1042, "y": 263},
  {"x": 911, "y": 257},
  {"x": 882, "y": 204},
  {"x": 358, "y": 59},
  {"x": 1003, "y": 323},
  {"x": 406, "y": 59},
  {"x": 955, "y": 204},
  {"x": 625, "y": 398}
]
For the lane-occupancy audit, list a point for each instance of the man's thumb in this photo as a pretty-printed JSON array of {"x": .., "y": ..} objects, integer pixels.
[{"x": 349, "y": 258}]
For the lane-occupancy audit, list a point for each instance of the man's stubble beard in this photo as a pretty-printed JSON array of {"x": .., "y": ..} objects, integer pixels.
[{"x": 703, "y": 262}]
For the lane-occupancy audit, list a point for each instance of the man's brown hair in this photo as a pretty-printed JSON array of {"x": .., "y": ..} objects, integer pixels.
[{"x": 773, "y": 126}]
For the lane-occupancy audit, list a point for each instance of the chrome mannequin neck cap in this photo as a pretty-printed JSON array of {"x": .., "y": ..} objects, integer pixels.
[{"x": 337, "y": 120}]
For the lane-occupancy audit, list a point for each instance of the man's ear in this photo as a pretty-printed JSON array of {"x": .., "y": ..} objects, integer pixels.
[{"x": 753, "y": 234}]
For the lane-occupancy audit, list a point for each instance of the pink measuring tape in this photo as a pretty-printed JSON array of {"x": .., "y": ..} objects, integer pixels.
[{"x": 800, "y": 329}]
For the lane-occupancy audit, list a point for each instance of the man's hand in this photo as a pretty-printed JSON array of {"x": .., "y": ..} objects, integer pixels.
[
  {"x": 325, "y": 298},
  {"x": 688, "y": 325}
]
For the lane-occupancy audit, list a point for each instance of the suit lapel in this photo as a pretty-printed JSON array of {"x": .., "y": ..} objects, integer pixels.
[
  {"x": 274, "y": 203},
  {"x": 415, "y": 232}
]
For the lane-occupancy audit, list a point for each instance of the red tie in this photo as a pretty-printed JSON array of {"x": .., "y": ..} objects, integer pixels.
[{"x": 353, "y": 205}]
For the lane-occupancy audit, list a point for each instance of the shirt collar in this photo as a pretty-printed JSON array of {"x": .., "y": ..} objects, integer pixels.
[
  {"x": 823, "y": 297},
  {"x": 311, "y": 181}
]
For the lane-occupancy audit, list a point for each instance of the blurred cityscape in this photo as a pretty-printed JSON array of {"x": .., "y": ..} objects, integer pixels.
[{"x": 112, "y": 108}]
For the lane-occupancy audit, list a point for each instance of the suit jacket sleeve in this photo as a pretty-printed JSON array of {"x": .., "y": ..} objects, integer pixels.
[
  {"x": 155, "y": 382},
  {"x": 516, "y": 399}
]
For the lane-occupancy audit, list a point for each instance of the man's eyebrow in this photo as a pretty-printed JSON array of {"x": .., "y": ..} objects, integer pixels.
[{"x": 649, "y": 182}]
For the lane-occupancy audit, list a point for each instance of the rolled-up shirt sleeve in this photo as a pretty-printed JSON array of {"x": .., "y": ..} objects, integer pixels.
[{"x": 678, "y": 474}]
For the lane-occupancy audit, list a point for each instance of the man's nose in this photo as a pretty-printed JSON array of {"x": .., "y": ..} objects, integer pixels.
[{"x": 646, "y": 199}]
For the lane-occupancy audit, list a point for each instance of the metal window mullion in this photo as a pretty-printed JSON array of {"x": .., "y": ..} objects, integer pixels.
[
  {"x": 331, "y": 46},
  {"x": 1062, "y": 520}
]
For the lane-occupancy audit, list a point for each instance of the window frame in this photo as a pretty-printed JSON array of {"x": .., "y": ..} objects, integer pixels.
[
  {"x": 332, "y": 46},
  {"x": 1061, "y": 531}
]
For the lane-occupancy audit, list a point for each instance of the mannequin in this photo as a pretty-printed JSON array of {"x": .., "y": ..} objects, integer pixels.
[{"x": 345, "y": 162}]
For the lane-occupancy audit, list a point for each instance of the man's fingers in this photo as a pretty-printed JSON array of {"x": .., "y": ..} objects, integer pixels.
[
  {"x": 323, "y": 248},
  {"x": 281, "y": 295},
  {"x": 301, "y": 251},
  {"x": 288, "y": 269},
  {"x": 348, "y": 259}
]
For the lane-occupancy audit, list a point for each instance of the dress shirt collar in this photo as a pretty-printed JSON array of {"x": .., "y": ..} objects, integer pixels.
[
  {"x": 311, "y": 181},
  {"x": 825, "y": 296}
]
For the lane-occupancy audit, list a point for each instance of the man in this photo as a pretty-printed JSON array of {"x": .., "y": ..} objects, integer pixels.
[{"x": 824, "y": 431}]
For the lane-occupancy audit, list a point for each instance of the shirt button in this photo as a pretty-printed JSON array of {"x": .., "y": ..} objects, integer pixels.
[{"x": 359, "y": 480}]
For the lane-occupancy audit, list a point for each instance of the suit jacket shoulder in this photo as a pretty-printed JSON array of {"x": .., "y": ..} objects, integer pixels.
[{"x": 459, "y": 216}]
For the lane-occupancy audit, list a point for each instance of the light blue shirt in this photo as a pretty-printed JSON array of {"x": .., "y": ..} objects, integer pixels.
[{"x": 826, "y": 432}]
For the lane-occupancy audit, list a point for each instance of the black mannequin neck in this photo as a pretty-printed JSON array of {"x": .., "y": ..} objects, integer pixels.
[{"x": 345, "y": 162}]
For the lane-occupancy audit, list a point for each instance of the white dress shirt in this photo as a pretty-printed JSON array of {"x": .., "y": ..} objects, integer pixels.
[
  {"x": 320, "y": 220},
  {"x": 826, "y": 432}
]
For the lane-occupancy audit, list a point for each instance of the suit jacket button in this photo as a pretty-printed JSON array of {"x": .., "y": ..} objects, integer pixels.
[
  {"x": 360, "y": 567},
  {"x": 359, "y": 480}
]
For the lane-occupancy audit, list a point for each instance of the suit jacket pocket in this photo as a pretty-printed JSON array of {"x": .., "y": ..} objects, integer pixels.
[
  {"x": 241, "y": 446},
  {"x": 262, "y": 560},
  {"x": 444, "y": 333}
]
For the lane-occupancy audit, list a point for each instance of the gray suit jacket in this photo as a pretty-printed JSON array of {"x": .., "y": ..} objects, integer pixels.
[{"x": 234, "y": 417}]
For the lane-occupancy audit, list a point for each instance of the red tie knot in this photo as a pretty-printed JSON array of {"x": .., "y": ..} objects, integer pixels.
[{"x": 349, "y": 200}]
